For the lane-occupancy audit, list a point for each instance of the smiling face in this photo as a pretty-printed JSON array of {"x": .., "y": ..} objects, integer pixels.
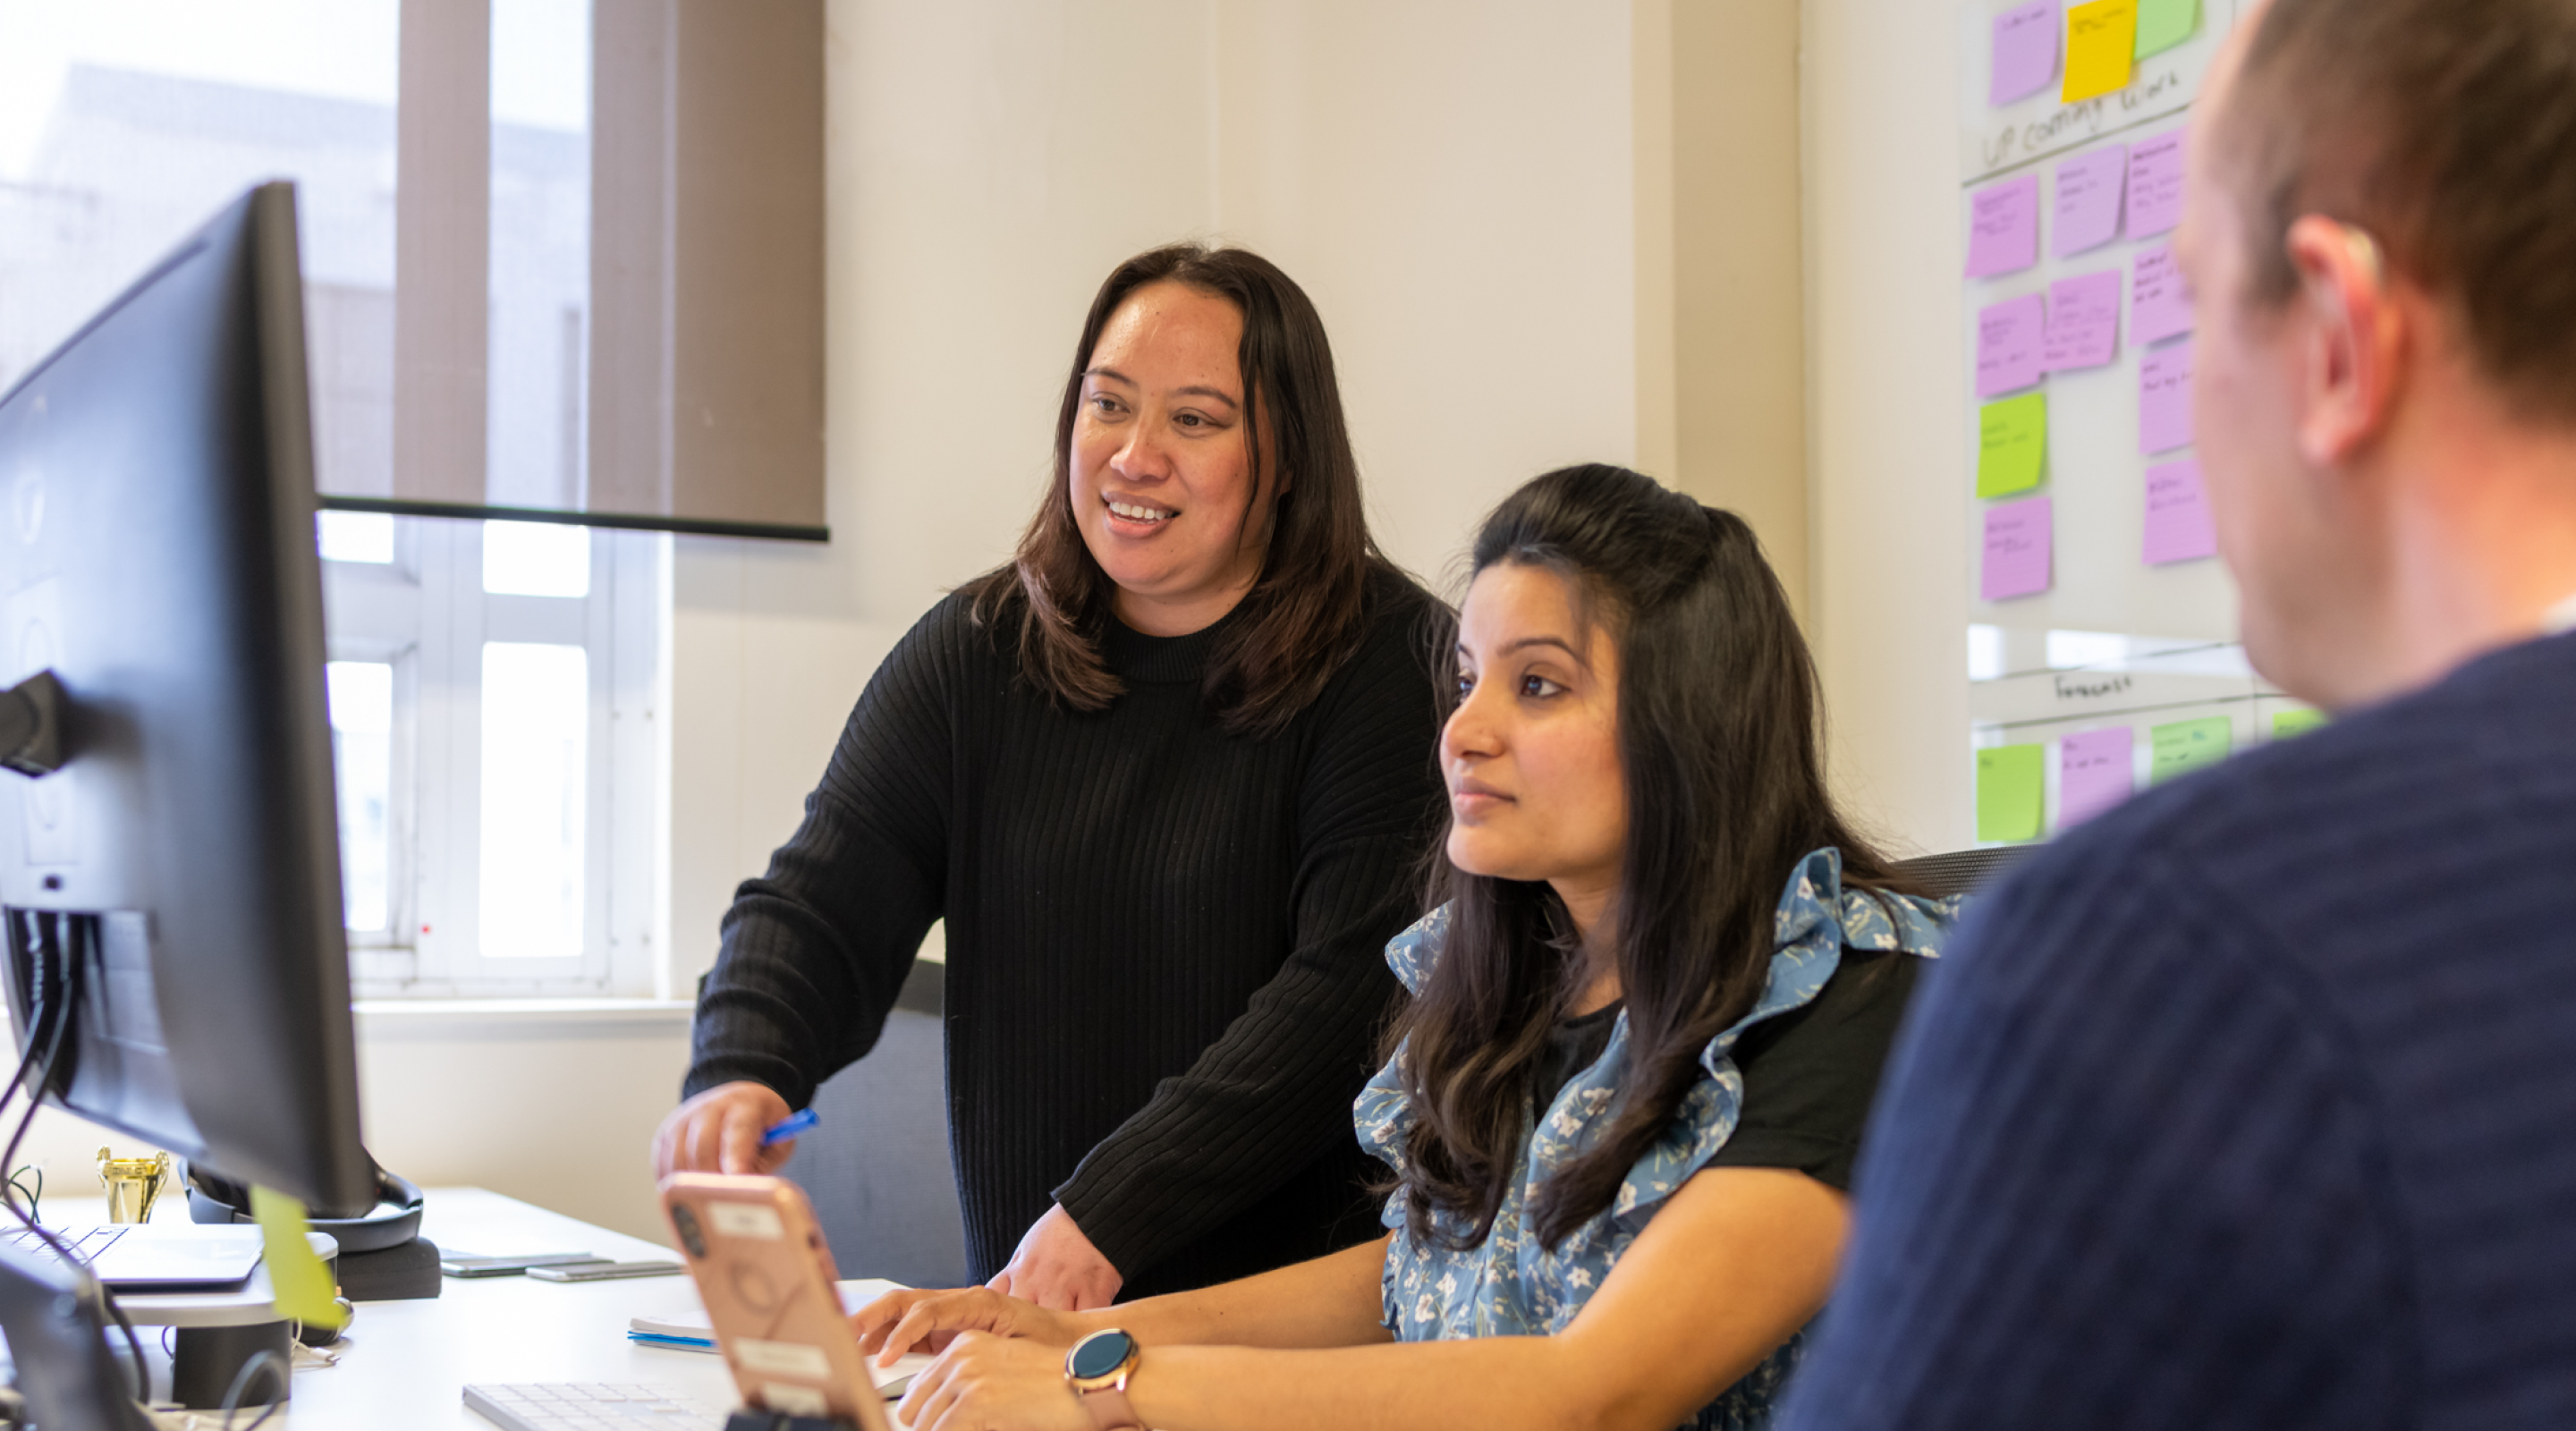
[
  {"x": 1531, "y": 754},
  {"x": 1161, "y": 476}
]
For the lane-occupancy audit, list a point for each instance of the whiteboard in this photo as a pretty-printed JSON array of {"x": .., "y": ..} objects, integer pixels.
[{"x": 2113, "y": 640}]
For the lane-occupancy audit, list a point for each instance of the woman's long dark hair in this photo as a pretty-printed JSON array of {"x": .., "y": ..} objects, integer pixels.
[
  {"x": 1718, "y": 745},
  {"x": 1304, "y": 613}
]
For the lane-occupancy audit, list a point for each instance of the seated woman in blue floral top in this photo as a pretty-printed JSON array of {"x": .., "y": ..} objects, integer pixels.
[{"x": 1649, "y": 1011}]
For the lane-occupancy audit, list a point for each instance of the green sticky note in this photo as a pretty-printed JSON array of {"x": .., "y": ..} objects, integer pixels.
[
  {"x": 2012, "y": 444},
  {"x": 2163, "y": 24},
  {"x": 2184, "y": 746},
  {"x": 2011, "y": 792},
  {"x": 301, "y": 1284},
  {"x": 2295, "y": 722}
]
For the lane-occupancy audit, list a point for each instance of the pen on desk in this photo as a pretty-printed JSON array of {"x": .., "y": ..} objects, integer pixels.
[{"x": 800, "y": 1121}]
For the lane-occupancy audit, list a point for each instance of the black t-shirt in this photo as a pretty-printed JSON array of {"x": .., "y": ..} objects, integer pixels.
[{"x": 1809, "y": 1074}]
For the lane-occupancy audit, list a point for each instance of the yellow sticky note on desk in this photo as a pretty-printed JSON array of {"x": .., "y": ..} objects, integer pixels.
[
  {"x": 2012, "y": 792},
  {"x": 2012, "y": 444},
  {"x": 301, "y": 1284},
  {"x": 2100, "y": 41}
]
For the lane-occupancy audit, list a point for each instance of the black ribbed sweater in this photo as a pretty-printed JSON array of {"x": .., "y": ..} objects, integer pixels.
[{"x": 1165, "y": 944}]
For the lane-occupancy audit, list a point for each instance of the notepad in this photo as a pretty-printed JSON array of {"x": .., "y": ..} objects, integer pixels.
[{"x": 688, "y": 1329}]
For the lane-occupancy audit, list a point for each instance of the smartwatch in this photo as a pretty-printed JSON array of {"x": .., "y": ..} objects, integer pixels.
[{"x": 1097, "y": 1369}]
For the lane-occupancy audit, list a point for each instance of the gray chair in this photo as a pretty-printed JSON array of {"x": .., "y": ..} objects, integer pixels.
[
  {"x": 1962, "y": 871},
  {"x": 877, "y": 1168}
]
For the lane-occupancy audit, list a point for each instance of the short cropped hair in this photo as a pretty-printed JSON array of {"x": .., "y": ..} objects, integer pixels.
[{"x": 2446, "y": 129}]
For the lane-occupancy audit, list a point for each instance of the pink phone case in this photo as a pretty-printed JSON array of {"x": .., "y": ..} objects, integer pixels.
[{"x": 766, "y": 1278}]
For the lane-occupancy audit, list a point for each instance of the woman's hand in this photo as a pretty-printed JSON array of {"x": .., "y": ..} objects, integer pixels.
[
  {"x": 1056, "y": 1266},
  {"x": 989, "y": 1383},
  {"x": 905, "y": 1321},
  {"x": 719, "y": 1132}
]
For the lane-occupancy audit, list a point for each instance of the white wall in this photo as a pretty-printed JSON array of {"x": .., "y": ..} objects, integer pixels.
[
  {"x": 1449, "y": 181},
  {"x": 1453, "y": 182},
  {"x": 1889, "y": 496}
]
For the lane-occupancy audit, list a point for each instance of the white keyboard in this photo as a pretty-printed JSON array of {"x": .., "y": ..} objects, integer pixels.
[{"x": 589, "y": 1406}]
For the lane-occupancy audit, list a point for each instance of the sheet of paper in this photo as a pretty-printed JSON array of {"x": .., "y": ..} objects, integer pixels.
[
  {"x": 2012, "y": 345},
  {"x": 2163, "y": 24},
  {"x": 2012, "y": 444},
  {"x": 2180, "y": 747},
  {"x": 2003, "y": 227},
  {"x": 2295, "y": 722},
  {"x": 2018, "y": 537},
  {"x": 2155, "y": 184},
  {"x": 2159, "y": 300},
  {"x": 296, "y": 1276},
  {"x": 2025, "y": 53},
  {"x": 2178, "y": 525},
  {"x": 2101, "y": 39},
  {"x": 2164, "y": 398},
  {"x": 2087, "y": 211},
  {"x": 2094, "y": 773},
  {"x": 2012, "y": 792},
  {"x": 2083, "y": 321}
]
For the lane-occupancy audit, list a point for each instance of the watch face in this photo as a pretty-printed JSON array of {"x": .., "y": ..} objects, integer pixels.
[{"x": 1099, "y": 1354}]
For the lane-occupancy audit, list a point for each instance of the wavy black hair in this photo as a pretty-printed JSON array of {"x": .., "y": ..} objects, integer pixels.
[{"x": 1720, "y": 750}]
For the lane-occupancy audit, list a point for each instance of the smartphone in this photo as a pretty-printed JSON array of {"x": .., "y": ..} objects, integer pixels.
[
  {"x": 604, "y": 1271},
  {"x": 766, "y": 1278},
  {"x": 469, "y": 1264}
]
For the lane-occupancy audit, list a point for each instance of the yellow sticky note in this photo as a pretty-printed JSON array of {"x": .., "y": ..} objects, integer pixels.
[
  {"x": 2163, "y": 24},
  {"x": 2100, "y": 41},
  {"x": 2295, "y": 722},
  {"x": 301, "y": 1283},
  {"x": 2012, "y": 786},
  {"x": 2012, "y": 444},
  {"x": 2183, "y": 746}
]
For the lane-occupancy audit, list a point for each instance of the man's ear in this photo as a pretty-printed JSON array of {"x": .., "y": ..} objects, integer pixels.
[{"x": 2352, "y": 340}]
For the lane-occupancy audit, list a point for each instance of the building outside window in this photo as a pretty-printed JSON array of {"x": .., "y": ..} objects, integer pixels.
[{"x": 486, "y": 677}]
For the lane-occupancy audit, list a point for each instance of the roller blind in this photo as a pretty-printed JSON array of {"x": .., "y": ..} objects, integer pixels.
[{"x": 677, "y": 385}]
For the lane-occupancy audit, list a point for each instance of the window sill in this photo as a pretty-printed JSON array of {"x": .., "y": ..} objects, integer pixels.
[{"x": 516, "y": 1019}]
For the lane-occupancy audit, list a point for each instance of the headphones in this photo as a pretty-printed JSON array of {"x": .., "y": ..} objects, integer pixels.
[{"x": 395, "y": 1220}]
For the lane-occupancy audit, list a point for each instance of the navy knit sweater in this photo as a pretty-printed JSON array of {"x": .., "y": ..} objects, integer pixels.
[
  {"x": 2251, "y": 1105},
  {"x": 1166, "y": 967}
]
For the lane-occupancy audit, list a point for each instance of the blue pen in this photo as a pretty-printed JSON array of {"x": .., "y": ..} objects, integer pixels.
[{"x": 800, "y": 1121}]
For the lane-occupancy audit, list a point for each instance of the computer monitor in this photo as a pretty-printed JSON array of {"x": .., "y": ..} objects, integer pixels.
[{"x": 176, "y": 882}]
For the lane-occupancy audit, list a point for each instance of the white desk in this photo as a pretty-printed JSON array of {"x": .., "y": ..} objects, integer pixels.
[{"x": 405, "y": 1365}]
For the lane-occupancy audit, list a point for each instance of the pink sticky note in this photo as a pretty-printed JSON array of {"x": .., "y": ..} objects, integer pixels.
[
  {"x": 2025, "y": 55},
  {"x": 2083, "y": 321},
  {"x": 2178, "y": 527},
  {"x": 2087, "y": 211},
  {"x": 2164, "y": 399},
  {"x": 2003, "y": 227},
  {"x": 2155, "y": 185},
  {"x": 2094, "y": 773},
  {"x": 2012, "y": 343},
  {"x": 2017, "y": 549},
  {"x": 2159, "y": 300}
]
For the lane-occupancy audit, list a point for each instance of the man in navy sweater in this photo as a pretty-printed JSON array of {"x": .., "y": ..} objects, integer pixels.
[{"x": 2254, "y": 1104}]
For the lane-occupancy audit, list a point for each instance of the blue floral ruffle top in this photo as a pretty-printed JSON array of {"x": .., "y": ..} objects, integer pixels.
[{"x": 1512, "y": 1284}]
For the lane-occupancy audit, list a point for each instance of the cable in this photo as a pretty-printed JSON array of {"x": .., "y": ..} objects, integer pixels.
[
  {"x": 35, "y": 1199},
  {"x": 134, "y": 1344},
  {"x": 276, "y": 1366}
]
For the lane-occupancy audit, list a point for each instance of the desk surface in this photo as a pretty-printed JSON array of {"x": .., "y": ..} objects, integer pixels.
[{"x": 405, "y": 1365}]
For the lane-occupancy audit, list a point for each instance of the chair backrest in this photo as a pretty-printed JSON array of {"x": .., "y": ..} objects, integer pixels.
[
  {"x": 877, "y": 1167},
  {"x": 1962, "y": 871}
]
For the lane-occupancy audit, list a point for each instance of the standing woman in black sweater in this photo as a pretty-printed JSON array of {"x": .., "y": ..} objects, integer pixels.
[{"x": 1166, "y": 777}]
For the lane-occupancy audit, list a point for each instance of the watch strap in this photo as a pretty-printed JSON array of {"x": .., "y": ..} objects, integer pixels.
[{"x": 1108, "y": 1407}]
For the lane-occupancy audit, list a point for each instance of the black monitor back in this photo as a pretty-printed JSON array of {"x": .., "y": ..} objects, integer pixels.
[{"x": 157, "y": 554}]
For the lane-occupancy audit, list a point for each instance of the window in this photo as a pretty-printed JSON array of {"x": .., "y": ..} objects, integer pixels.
[
  {"x": 491, "y": 683},
  {"x": 516, "y": 663}
]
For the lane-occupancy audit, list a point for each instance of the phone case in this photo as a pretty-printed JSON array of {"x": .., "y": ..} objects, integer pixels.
[{"x": 766, "y": 1278}]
